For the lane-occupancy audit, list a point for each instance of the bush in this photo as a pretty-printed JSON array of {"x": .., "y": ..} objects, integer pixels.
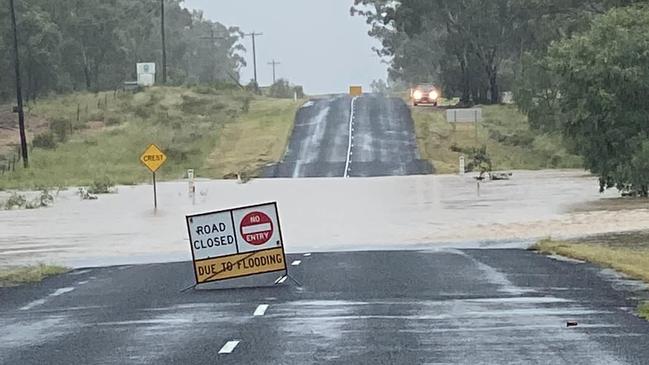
[
  {"x": 281, "y": 89},
  {"x": 45, "y": 141},
  {"x": 60, "y": 128},
  {"x": 112, "y": 119},
  {"x": 103, "y": 185},
  {"x": 15, "y": 201}
]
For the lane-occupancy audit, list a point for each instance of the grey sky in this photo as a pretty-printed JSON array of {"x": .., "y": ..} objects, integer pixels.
[{"x": 318, "y": 43}]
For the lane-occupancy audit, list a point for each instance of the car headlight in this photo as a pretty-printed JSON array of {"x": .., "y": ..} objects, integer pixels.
[
  {"x": 433, "y": 94},
  {"x": 417, "y": 94}
]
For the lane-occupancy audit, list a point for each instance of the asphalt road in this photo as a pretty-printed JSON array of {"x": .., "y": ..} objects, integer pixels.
[
  {"x": 382, "y": 142},
  {"x": 408, "y": 307}
]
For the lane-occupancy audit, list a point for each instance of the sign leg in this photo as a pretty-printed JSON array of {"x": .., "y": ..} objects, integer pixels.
[{"x": 155, "y": 194}]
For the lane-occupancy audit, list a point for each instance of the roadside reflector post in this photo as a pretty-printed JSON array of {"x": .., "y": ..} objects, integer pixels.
[
  {"x": 153, "y": 158},
  {"x": 462, "y": 169}
]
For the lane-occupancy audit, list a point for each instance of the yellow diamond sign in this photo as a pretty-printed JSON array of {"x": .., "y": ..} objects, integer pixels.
[{"x": 153, "y": 158}]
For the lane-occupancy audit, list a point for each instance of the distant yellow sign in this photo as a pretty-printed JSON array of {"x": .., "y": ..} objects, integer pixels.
[
  {"x": 355, "y": 90},
  {"x": 153, "y": 158}
]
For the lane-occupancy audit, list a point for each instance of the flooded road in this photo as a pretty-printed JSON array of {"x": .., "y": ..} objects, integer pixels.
[{"x": 328, "y": 214}]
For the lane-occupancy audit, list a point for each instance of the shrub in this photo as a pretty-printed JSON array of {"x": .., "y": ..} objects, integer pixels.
[
  {"x": 281, "y": 89},
  {"x": 60, "y": 128},
  {"x": 15, "y": 201},
  {"x": 103, "y": 185},
  {"x": 45, "y": 141}
]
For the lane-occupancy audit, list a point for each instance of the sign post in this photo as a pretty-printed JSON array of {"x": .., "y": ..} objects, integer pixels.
[
  {"x": 235, "y": 243},
  {"x": 153, "y": 158}
]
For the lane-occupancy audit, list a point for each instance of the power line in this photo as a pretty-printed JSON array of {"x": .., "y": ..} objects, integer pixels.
[
  {"x": 19, "y": 93},
  {"x": 273, "y": 63},
  {"x": 254, "y": 53}
]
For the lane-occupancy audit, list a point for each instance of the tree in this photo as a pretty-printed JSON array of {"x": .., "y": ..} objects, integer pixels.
[{"x": 603, "y": 83}]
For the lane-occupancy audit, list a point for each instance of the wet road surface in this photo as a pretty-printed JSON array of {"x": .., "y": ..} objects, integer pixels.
[
  {"x": 341, "y": 136},
  {"x": 437, "y": 307}
]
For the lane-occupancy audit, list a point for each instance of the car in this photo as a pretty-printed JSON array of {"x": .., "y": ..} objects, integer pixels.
[{"x": 425, "y": 94}]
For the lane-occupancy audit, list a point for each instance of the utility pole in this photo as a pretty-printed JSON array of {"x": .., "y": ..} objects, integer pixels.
[
  {"x": 254, "y": 53},
  {"x": 164, "y": 43},
  {"x": 212, "y": 38},
  {"x": 273, "y": 63},
  {"x": 19, "y": 93}
]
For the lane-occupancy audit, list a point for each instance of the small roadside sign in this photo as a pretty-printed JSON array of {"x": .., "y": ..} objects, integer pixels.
[
  {"x": 153, "y": 158},
  {"x": 355, "y": 90},
  {"x": 234, "y": 243}
]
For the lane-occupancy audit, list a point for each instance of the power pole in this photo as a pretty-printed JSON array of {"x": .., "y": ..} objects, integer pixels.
[
  {"x": 212, "y": 38},
  {"x": 254, "y": 53},
  {"x": 164, "y": 43},
  {"x": 273, "y": 63},
  {"x": 19, "y": 93}
]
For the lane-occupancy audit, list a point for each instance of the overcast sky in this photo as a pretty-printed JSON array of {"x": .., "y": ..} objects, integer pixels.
[{"x": 318, "y": 43}]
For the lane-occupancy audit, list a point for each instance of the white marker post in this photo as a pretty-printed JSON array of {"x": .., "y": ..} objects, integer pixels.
[
  {"x": 462, "y": 168},
  {"x": 191, "y": 186}
]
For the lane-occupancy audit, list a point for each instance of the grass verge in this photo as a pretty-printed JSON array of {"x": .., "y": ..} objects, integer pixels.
[
  {"x": 256, "y": 139},
  {"x": 506, "y": 133},
  {"x": 12, "y": 276},
  {"x": 630, "y": 258},
  {"x": 101, "y": 136}
]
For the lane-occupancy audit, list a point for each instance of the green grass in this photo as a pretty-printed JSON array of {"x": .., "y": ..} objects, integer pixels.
[
  {"x": 629, "y": 257},
  {"x": 510, "y": 142},
  {"x": 196, "y": 127},
  {"x": 643, "y": 310},
  {"x": 12, "y": 276}
]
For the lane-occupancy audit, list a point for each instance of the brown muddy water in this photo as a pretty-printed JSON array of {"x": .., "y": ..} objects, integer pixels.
[{"x": 321, "y": 214}]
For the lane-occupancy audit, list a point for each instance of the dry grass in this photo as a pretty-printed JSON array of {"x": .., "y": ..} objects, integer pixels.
[
  {"x": 256, "y": 139},
  {"x": 506, "y": 133},
  {"x": 631, "y": 259},
  {"x": 214, "y": 131},
  {"x": 12, "y": 276}
]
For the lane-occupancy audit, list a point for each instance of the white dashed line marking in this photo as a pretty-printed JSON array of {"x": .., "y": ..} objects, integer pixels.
[
  {"x": 261, "y": 310},
  {"x": 82, "y": 282},
  {"x": 228, "y": 347},
  {"x": 296, "y": 263},
  {"x": 307, "y": 254}
]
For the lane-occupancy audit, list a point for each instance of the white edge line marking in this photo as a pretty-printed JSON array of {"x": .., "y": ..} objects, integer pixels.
[
  {"x": 33, "y": 304},
  {"x": 61, "y": 291},
  {"x": 261, "y": 310},
  {"x": 296, "y": 263},
  {"x": 349, "y": 145},
  {"x": 282, "y": 279},
  {"x": 229, "y": 347}
]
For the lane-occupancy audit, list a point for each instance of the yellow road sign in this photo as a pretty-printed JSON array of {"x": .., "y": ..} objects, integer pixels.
[
  {"x": 153, "y": 158},
  {"x": 355, "y": 90}
]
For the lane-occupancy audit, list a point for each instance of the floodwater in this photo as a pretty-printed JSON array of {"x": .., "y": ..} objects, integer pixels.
[{"x": 319, "y": 214}]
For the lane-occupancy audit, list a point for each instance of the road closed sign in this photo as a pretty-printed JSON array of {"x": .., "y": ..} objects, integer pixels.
[{"x": 235, "y": 243}]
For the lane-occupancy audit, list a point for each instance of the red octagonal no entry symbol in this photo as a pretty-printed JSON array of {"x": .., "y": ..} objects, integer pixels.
[{"x": 256, "y": 228}]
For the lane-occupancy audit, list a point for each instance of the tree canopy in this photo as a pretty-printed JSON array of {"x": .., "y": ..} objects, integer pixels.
[{"x": 70, "y": 45}]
